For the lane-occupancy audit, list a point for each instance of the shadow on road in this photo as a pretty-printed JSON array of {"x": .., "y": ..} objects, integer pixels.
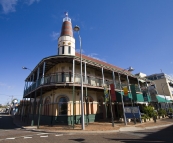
[
  {"x": 6, "y": 122},
  {"x": 164, "y": 135},
  {"x": 78, "y": 140}
]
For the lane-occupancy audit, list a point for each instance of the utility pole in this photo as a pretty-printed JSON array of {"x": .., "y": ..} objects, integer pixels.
[{"x": 10, "y": 103}]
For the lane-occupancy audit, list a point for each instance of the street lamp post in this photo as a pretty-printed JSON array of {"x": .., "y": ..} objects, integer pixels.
[
  {"x": 32, "y": 121},
  {"x": 77, "y": 28},
  {"x": 25, "y": 68}
]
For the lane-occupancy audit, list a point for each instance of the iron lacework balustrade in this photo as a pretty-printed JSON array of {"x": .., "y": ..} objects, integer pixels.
[{"x": 67, "y": 77}]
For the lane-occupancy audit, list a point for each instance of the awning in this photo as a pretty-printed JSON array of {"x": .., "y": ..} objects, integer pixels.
[
  {"x": 141, "y": 80},
  {"x": 140, "y": 98},
  {"x": 161, "y": 98}
]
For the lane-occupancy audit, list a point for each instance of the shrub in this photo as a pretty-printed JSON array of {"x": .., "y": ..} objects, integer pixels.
[
  {"x": 162, "y": 112},
  {"x": 150, "y": 112},
  {"x": 170, "y": 110},
  {"x": 145, "y": 116}
]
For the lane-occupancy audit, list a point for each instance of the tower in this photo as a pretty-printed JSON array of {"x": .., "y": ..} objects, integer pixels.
[{"x": 66, "y": 42}]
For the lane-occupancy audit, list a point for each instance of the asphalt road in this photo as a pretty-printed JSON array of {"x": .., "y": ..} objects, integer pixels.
[{"x": 9, "y": 133}]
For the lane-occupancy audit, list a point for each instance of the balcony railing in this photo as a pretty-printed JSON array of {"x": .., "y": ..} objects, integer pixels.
[{"x": 67, "y": 77}]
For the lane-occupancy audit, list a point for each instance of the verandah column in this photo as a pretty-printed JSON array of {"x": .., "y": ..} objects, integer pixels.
[
  {"x": 73, "y": 90},
  {"x": 132, "y": 100},
  {"x": 33, "y": 110},
  {"x": 105, "y": 109},
  {"x": 39, "y": 112},
  {"x": 125, "y": 120},
  {"x": 86, "y": 96},
  {"x": 113, "y": 106},
  {"x": 129, "y": 89}
]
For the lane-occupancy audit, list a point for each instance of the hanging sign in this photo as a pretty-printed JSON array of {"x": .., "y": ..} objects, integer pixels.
[
  {"x": 133, "y": 92},
  {"x": 106, "y": 94},
  {"x": 125, "y": 89}
]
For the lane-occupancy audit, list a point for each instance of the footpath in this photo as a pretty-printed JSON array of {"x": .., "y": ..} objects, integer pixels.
[{"x": 98, "y": 127}]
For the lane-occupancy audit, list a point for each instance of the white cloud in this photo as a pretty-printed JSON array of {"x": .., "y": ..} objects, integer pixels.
[
  {"x": 8, "y": 5},
  {"x": 54, "y": 35},
  {"x": 4, "y": 85},
  {"x": 29, "y": 2},
  {"x": 93, "y": 55},
  {"x": 78, "y": 50}
]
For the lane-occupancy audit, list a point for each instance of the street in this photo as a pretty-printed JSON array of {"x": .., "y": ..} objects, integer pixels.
[{"x": 9, "y": 133}]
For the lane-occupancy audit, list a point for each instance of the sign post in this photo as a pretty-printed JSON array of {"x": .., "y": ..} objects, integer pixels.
[{"x": 130, "y": 112}]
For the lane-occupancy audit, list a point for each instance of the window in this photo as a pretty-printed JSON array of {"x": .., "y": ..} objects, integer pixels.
[
  {"x": 46, "y": 106},
  {"x": 69, "y": 49},
  {"x": 62, "y": 49},
  {"x": 89, "y": 105},
  {"x": 58, "y": 51},
  {"x": 62, "y": 106}
]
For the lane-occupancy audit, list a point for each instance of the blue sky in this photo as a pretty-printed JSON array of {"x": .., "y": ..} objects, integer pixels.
[{"x": 137, "y": 33}]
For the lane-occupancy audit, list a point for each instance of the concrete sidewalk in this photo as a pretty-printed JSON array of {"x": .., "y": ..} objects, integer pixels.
[{"x": 98, "y": 127}]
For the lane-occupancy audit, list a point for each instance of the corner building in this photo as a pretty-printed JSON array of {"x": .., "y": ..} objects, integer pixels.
[{"x": 52, "y": 90}]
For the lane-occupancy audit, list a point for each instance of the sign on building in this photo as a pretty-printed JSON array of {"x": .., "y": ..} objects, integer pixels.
[
  {"x": 132, "y": 112},
  {"x": 125, "y": 90},
  {"x": 133, "y": 92},
  {"x": 106, "y": 94}
]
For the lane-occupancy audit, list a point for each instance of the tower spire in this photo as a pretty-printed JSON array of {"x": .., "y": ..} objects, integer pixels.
[
  {"x": 66, "y": 26},
  {"x": 66, "y": 42}
]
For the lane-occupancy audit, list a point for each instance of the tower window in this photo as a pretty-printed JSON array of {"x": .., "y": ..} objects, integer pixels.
[
  {"x": 69, "y": 49},
  {"x": 58, "y": 50},
  {"x": 62, "y": 49}
]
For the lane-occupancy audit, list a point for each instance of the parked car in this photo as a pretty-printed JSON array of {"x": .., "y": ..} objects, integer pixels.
[{"x": 170, "y": 115}]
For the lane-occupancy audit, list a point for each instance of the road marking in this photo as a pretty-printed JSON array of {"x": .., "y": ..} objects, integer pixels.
[
  {"x": 59, "y": 135},
  {"x": 10, "y": 138},
  {"x": 44, "y": 136},
  {"x": 42, "y": 133},
  {"x": 27, "y": 137}
]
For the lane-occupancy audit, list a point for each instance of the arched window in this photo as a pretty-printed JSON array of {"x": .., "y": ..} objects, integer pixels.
[
  {"x": 63, "y": 106},
  {"x": 46, "y": 106}
]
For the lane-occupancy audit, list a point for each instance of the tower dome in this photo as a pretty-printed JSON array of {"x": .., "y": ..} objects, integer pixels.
[{"x": 66, "y": 42}]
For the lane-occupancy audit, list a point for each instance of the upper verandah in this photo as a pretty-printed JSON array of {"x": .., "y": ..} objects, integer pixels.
[{"x": 53, "y": 60}]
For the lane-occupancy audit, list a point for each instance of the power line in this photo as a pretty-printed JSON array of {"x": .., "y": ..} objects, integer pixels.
[{"x": 10, "y": 95}]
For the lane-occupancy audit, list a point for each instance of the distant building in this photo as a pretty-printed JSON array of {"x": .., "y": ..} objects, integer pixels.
[
  {"x": 164, "y": 84},
  {"x": 140, "y": 74}
]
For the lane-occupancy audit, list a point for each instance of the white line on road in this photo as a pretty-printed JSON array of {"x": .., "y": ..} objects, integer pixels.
[
  {"x": 44, "y": 136},
  {"x": 27, "y": 137},
  {"x": 42, "y": 133},
  {"x": 59, "y": 135},
  {"x": 10, "y": 138}
]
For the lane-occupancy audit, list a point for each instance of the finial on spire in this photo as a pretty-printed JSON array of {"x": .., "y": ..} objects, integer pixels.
[
  {"x": 66, "y": 18},
  {"x": 66, "y": 14}
]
